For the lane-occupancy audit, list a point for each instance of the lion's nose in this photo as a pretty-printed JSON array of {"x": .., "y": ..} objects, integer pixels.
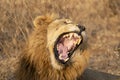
[{"x": 82, "y": 28}]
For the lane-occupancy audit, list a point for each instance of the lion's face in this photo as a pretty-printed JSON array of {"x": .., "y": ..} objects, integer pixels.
[{"x": 64, "y": 38}]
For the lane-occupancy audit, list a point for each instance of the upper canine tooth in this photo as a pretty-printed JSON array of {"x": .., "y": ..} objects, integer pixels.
[
  {"x": 67, "y": 35},
  {"x": 78, "y": 41},
  {"x": 71, "y": 35},
  {"x": 64, "y": 36}
]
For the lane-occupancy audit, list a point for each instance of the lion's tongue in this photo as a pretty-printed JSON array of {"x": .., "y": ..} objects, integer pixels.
[{"x": 63, "y": 49}]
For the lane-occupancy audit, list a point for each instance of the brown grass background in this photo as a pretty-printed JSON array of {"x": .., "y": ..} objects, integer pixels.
[{"x": 101, "y": 18}]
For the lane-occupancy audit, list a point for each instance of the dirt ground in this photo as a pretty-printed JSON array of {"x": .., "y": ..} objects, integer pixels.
[{"x": 100, "y": 17}]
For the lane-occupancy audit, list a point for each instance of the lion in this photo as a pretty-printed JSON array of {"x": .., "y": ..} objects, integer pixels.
[{"x": 56, "y": 50}]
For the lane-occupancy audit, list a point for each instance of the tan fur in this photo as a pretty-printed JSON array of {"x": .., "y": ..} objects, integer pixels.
[{"x": 38, "y": 61}]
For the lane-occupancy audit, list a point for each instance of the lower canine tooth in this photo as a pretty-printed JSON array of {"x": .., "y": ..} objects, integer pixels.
[
  {"x": 60, "y": 56},
  {"x": 71, "y": 35},
  {"x": 66, "y": 59}
]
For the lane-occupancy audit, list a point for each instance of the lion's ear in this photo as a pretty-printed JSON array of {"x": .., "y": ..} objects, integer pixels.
[{"x": 44, "y": 20}]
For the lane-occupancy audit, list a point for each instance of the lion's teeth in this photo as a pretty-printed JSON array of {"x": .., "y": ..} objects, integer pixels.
[
  {"x": 60, "y": 56},
  {"x": 75, "y": 35},
  {"x": 64, "y": 36},
  {"x": 78, "y": 42},
  {"x": 75, "y": 42},
  {"x": 66, "y": 59},
  {"x": 71, "y": 35},
  {"x": 67, "y": 52},
  {"x": 67, "y": 35}
]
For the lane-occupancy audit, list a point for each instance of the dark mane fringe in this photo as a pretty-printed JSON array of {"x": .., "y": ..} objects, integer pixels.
[{"x": 27, "y": 70}]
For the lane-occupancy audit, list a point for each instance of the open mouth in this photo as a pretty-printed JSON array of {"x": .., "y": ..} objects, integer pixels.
[{"x": 65, "y": 46}]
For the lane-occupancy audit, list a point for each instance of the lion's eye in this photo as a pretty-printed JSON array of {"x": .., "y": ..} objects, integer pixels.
[{"x": 67, "y": 21}]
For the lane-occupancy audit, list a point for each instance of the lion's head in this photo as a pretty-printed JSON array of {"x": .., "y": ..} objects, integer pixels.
[{"x": 64, "y": 41}]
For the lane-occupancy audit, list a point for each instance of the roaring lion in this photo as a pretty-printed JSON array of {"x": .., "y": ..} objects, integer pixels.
[{"x": 56, "y": 50}]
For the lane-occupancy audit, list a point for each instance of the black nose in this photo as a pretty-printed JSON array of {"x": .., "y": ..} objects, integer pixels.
[{"x": 82, "y": 28}]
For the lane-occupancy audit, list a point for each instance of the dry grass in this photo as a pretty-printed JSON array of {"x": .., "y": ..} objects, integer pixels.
[{"x": 101, "y": 19}]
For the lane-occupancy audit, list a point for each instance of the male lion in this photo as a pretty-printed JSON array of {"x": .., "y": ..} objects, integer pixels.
[{"x": 56, "y": 50}]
